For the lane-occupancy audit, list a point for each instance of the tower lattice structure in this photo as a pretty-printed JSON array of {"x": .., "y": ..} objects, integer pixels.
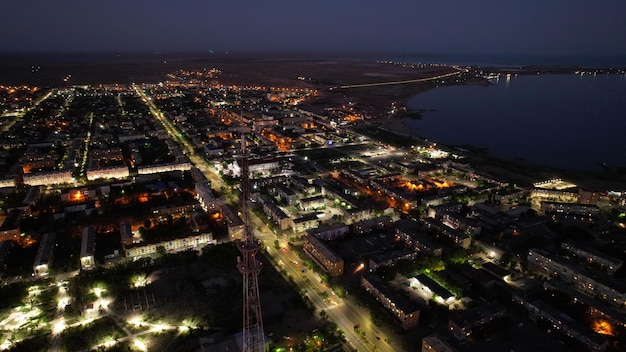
[{"x": 249, "y": 267}]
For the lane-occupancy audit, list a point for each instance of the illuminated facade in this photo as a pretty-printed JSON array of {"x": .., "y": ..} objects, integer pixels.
[
  {"x": 457, "y": 237},
  {"x": 356, "y": 214},
  {"x": 538, "y": 309},
  {"x": 407, "y": 312},
  {"x": 570, "y": 209},
  {"x": 10, "y": 230},
  {"x": 7, "y": 182},
  {"x": 109, "y": 172},
  {"x": 312, "y": 203},
  {"x": 196, "y": 241},
  {"x": 48, "y": 178},
  {"x": 330, "y": 232},
  {"x": 408, "y": 232},
  {"x": 126, "y": 233},
  {"x": 366, "y": 226},
  {"x": 606, "y": 263},
  {"x": 88, "y": 249},
  {"x": 275, "y": 213},
  {"x": 435, "y": 344},
  {"x": 156, "y": 169},
  {"x": 583, "y": 280},
  {"x": 45, "y": 255},
  {"x": 323, "y": 256},
  {"x": 233, "y": 221},
  {"x": 262, "y": 166},
  {"x": 305, "y": 222},
  {"x": 205, "y": 196},
  {"x": 461, "y": 324}
]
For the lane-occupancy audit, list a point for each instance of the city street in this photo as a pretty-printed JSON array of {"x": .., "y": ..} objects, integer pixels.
[{"x": 341, "y": 311}]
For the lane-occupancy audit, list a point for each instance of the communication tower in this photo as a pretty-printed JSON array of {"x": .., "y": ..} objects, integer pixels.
[{"x": 249, "y": 266}]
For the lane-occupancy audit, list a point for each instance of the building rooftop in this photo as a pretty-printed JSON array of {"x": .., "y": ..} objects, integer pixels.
[
  {"x": 400, "y": 302},
  {"x": 88, "y": 243},
  {"x": 434, "y": 286}
]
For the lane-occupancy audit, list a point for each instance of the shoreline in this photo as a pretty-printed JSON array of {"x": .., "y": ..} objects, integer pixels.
[
  {"x": 429, "y": 125},
  {"x": 524, "y": 171}
]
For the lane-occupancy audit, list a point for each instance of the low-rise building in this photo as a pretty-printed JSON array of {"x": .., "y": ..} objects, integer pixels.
[
  {"x": 461, "y": 324},
  {"x": 437, "y": 211},
  {"x": 305, "y": 222},
  {"x": 330, "y": 232},
  {"x": 126, "y": 233},
  {"x": 407, "y": 312},
  {"x": 436, "y": 200},
  {"x": 457, "y": 221},
  {"x": 586, "y": 281},
  {"x": 563, "y": 195},
  {"x": 457, "y": 237},
  {"x": 7, "y": 181},
  {"x": 88, "y": 249},
  {"x": 257, "y": 167},
  {"x": 366, "y": 226},
  {"x": 595, "y": 308},
  {"x": 509, "y": 195},
  {"x": 160, "y": 168},
  {"x": 10, "y": 228},
  {"x": 119, "y": 171},
  {"x": 286, "y": 194},
  {"x": 390, "y": 258},
  {"x": 356, "y": 214},
  {"x": 32, "y": 196},
  {"x": 275, "y": 213},
  {"x": 408, "y": 232},
  {"x": 587, "y": 210},
  {"x": 538, "y": 309},
  {"x": 168, "y": 209},
  {"x": 206, "y": 198},
  {"x": 312, "y": 203},
  {"x": 592, "y": 256},
  {"x": 234, "y": 224},
  {"x": 194, "y": 241},
  {"x": 45, "y": 255},
  {"x": 323, "y": 256},
  {"x": 429, "y": 285},
  {"x": 48, "y": 178},
  {"x": 434, "y": 343}
]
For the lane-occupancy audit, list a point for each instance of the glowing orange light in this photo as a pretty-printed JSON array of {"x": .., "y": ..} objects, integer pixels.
[{"x": 603, "y": 327}]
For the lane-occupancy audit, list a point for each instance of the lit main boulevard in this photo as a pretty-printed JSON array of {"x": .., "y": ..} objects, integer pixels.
[{"x": 342, "y": 311}]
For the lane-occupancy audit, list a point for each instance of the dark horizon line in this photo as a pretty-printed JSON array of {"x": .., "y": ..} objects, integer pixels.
[{"x": 326, "y": 53}]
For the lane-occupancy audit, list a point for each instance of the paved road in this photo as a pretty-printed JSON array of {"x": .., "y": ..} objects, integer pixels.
[
  {"x": 388, "y": 83},
  {"x": 343, "y": 312}
]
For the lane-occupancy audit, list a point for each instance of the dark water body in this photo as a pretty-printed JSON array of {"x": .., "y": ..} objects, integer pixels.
[
  {"x": 599, "y": 61},
  {"x": 564, "y": 121}
]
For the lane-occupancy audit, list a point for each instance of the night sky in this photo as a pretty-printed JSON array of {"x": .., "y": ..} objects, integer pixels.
[{"x": 527, "y": 27}]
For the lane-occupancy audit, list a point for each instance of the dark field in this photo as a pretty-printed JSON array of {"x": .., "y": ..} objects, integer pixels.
[
  {"x": 51, "y": 69},
  {"x": 315, "y": 73}
]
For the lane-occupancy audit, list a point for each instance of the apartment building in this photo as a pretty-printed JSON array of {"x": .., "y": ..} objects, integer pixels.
[
  {"x": 592, "y": 256},
  {"x": 88, "y": 249},
  {"x": 323, "y": 256},
  {"x": 592, "y": 283},
  {"x": 194, "y": 241},
  {"x": 406, "y": 311},
  {"x": 45, "y": 255}
]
